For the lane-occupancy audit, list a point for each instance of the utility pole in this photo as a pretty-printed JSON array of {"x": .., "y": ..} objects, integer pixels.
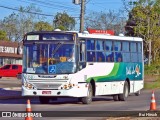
[
  {"x": 82, "y": 3},
  {"x": 150, "y": 43},
  {"x": 82, "y": 16}
]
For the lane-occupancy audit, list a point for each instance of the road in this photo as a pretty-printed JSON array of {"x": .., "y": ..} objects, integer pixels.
[
  {"x": 105, "y": 103},
  {"x": 8, "y": 82}
]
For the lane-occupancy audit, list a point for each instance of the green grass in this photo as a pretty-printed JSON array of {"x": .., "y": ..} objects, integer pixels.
[
  {"x": 153, "y": 69},
  {"x": 152, "y": 85}
]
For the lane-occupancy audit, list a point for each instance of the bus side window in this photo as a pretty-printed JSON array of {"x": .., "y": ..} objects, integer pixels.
[
  {"x": 118, "y": 57},
  {"x": 100, "y": 57},
  {"x": 91, "y": 56},
  {"x": 90, "y": 44},
  {"x": 109, "y": 56}
]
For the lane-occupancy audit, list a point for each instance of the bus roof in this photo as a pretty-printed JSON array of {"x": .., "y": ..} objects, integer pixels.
[
  {"x": 50, "y": 32},
  {"x": 96, "y": 36},
  {"x": 110, "y": 37}
]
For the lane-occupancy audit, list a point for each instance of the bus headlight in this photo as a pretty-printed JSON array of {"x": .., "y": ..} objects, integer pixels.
[
  {"x": 28, "y": 86},
  {"x": 68, "y": 86}
]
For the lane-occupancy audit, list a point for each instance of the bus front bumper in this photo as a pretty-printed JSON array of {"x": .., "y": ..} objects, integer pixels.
[{"x": 77, "y": 91}]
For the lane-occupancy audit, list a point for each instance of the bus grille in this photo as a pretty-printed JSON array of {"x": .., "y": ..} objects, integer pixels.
[{"x": 44, "y": 86}]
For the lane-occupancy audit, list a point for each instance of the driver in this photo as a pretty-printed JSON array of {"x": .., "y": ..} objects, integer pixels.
[{"x": 51, "y": 62}]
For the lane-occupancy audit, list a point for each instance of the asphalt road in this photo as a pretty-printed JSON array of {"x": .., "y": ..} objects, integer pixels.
[
  {"x": 9, "y": 82},
  {"x": 105, "y": 103}
]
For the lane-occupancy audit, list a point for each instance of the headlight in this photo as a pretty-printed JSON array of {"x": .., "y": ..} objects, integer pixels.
[
  {"x": 68, "y": 86},
  {"x": 28, "y": 86}
]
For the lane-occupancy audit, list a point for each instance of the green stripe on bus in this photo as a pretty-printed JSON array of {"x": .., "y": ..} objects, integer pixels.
[{"x": 118, "y": 73}]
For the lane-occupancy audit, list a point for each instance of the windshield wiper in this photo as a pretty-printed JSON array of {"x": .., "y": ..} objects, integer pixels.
[{"x": 57, "y": 47}]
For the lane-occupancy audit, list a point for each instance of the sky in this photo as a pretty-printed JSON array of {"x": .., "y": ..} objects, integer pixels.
[{"x": 51, "y": 7}]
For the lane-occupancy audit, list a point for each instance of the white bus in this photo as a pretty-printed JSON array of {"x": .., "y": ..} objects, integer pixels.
[{"x": 71, "y": 64}]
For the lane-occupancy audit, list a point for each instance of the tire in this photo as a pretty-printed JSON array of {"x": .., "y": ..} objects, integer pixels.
[
  {"x": 115, "y": 98},
  {"x": 44, "y": 100},
  {"x": 138, "y": 93},
  {"x": 124, "y": 95},
  {"x": 88, "y": 98}
]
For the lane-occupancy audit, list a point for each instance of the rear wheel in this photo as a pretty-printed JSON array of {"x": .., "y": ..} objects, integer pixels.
[
  {"x": 124, "y": 95},
  {"x": 44, "y": 100},
  {"x": 138, "y": 93},
  {"x": 115, "y": 98},
  {"x": 88, "y": 98}
]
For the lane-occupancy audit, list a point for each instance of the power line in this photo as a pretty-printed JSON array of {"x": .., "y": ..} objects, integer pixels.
[
  {"x": 56, "y": 5},
  {"x": 50, "y": 5},
  {"x": 25, "y": 11},
  {"x": 29, "y": 11}
]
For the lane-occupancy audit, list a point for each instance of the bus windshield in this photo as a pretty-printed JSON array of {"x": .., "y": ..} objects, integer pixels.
[{"x": 54, "y": 58}]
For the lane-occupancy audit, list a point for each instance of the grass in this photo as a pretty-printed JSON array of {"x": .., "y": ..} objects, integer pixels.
[
  {"x": 152, "y": 75},
  {"x": 152, "y": 85}
]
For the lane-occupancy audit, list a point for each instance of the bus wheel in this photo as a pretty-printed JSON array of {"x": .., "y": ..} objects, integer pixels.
[
  {"x": 88, "y": 98},
  {"x": 138, "y": 93},
  {"x": 124, "y": 95},
  {"x": 115, "y": 98},
  {"x": 44, "y": 100}
]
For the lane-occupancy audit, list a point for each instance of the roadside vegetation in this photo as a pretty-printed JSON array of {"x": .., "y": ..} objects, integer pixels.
[{"x": 152, "y": 76}]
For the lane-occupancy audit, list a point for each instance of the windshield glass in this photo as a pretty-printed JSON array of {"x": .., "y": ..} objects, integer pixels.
[{"x": 55, "y": 58}]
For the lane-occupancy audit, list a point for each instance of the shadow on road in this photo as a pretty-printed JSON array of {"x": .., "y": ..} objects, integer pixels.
[{"x": 14, "y": 97}]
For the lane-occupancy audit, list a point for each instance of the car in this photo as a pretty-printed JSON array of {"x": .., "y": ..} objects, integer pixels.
[{"x": 10, "y": 70}]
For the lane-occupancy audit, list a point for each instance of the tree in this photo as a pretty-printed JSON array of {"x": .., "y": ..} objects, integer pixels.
[
  {"x": 146, "y": 24},
  {"x": 106, "y": 20},
  {"x": 3, "y": 36},
  {"x": 43, "y": 26},
  {"x": 27, "y": 19},
  {"x": 63, "y": 21},
  {"x": 9, "y": 25},
  {"x": 17, "y": 24}
]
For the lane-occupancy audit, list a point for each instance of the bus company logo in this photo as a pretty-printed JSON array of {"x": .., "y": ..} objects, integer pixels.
[
  {"x": 133, "y": 71},
  {"x": 137, "y": 70}
]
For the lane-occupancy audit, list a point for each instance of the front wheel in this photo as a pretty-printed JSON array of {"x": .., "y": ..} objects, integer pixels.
[
  {"x": 124, "y": 95},
  {"x": 88, "y": 98}
]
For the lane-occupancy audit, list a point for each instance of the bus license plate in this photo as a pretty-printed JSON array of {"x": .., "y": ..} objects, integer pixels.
[{"x": 46, "y": 92}]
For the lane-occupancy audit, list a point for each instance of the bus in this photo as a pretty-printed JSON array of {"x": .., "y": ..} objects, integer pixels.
[{"x": 81, "y": 65}]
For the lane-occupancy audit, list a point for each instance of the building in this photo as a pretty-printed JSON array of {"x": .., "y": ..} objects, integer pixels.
[{"x": 10, "y": 53}]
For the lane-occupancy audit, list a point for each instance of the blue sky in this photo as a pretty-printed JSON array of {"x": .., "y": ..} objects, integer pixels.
[{"x": 51, "y": 7}]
